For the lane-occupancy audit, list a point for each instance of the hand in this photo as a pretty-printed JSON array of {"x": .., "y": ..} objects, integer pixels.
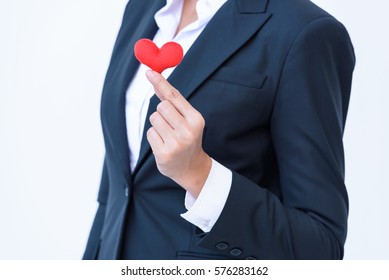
[{"x": 176, "y": 137}]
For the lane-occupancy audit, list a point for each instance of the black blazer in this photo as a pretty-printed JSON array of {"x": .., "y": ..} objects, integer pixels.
[{"x": 272, "y": 79}]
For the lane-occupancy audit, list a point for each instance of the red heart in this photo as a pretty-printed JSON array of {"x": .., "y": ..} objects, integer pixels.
[{"x": 157, "y": 59}]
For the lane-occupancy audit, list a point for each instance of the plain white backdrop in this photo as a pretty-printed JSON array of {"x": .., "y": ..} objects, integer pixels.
[{"x": 53, "y": 58}]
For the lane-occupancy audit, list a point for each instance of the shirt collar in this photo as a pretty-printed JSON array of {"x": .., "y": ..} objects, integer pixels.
[{"x": 168, "y": 17}]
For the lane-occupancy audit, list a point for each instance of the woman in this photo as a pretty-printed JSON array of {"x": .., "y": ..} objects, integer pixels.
[{"x": 239, "y": 153}]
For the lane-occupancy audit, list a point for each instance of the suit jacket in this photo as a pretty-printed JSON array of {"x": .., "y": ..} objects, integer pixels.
[{"x": 272, "y": 79}]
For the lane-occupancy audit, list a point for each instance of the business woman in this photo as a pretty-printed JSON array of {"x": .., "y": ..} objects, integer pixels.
[{"x": 237, "y": 152}]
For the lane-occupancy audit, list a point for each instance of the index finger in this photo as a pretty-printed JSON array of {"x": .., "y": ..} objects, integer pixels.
[{"x": 165, "y": 91}]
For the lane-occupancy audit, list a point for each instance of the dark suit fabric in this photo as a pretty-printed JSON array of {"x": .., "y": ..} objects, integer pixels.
[{"x": 272, "y": 80}]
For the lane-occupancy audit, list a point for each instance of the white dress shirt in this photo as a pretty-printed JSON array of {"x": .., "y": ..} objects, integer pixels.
[{"x": 205, "y": 210}]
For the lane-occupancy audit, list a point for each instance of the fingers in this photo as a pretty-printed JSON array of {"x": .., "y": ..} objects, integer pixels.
[
  {"x": 161, "y": 126},
  {"x": 156, "y": 142},
  {"x": 166, "y": 91},
  {"x": 170, "y": 114},
  {"x": 176, "y": 137}
]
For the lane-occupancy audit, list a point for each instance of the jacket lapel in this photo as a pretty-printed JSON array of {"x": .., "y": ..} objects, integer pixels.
[
  {"x": 122, "y": 68},
  {"x": 235, "y": 23},
  {"x": 231, "y": 27}
]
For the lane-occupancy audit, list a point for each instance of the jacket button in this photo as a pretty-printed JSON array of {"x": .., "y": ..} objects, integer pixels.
[
  {"x": 126, "y": 191},
  {"x": 250, "y": 258},
  {"x": 235, "y": 252},
  {"x": 222, "y": 246}
]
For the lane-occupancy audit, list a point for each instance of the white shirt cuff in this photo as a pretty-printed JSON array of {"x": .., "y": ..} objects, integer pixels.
[{"x": 204, "y": 211}]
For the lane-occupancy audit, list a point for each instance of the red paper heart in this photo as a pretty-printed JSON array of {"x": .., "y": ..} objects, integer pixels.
[{"x": 157, "y": 59}]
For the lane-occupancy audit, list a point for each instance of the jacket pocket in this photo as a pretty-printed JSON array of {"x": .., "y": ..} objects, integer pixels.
[{"x": 240, "y": 77}]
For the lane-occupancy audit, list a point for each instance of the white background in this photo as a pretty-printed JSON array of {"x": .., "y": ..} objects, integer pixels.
[{"x": 53, "y": 58}]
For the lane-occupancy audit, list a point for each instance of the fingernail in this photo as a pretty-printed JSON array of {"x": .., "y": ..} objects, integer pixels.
[{"x": 150, "y": 74}]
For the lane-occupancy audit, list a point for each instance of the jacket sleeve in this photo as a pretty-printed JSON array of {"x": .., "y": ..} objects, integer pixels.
[
  {"x": 92, "y": 247},
  {"x": 309, "y": 221}
]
